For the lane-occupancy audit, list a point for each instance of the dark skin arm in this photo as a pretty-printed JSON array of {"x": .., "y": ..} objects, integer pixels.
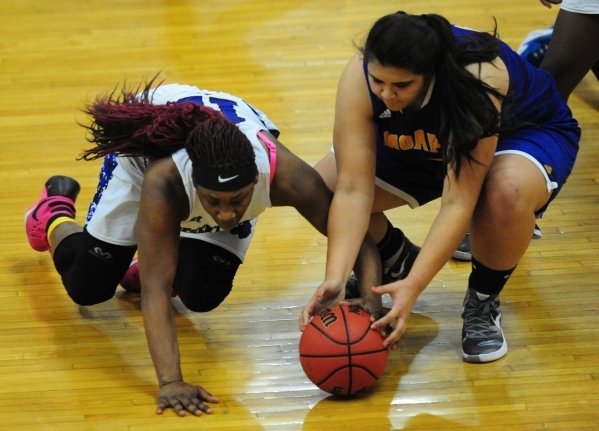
[
  {"x": 298, "y": 185},
  {"x": 163, "y": 204}
]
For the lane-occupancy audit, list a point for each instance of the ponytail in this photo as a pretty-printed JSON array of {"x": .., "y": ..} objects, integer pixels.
[
  {"x": 425, "y": 45},
  {"x": 129, "y": 124}
]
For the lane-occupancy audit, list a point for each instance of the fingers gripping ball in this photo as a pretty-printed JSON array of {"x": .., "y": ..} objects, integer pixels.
[{"x": 340, "y": 353}]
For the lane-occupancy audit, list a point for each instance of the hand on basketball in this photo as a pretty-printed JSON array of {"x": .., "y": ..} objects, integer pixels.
[
  {"x": 183, "y": 397},
  {"x": 328, "y": 294},
  {"x": 397, "y": 318}
]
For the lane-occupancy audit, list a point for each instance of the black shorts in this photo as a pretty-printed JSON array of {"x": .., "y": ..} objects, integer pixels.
[{"x": 92, "y": 269}]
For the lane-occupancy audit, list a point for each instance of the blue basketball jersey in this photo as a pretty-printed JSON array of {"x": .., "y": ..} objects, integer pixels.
[{"x": 409, "y": 156}]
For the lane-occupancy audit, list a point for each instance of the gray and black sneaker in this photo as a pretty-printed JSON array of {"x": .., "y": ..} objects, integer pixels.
[
  {"x": 398, "y": 271},
  {"x": 463, "y": 253},
  {"x": 482, "y": 336},
  {"x": 536, "y": 234},
  {"x": 402, "y": 266}
]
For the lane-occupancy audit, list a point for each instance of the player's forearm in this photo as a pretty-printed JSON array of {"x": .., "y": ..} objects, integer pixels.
[
  {"x": 368, "y": 267},
  {"x": 347, "y": 225},
  {"x": 161, "y": 336}
]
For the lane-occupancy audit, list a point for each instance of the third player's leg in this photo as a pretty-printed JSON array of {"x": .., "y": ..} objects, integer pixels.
[{"x": 573, "y": 50}]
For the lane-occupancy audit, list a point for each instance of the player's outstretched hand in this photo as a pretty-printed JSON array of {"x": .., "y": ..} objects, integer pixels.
[
  {"x": 329, "y": 293},
  {"x": 397, "y": 318},
  {"x": 184, "y": 397}
]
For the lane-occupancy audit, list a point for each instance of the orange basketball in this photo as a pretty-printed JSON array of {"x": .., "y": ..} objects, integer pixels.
[{"x": 340, "y": 353}]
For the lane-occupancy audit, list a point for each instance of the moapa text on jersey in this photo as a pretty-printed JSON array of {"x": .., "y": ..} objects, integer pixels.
[{"x": 421, "y": 141}]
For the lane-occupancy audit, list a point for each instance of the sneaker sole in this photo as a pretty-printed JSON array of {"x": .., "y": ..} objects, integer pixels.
[
  {"x": 487, "y": 357},
  {"x": 462, "y": 255}
]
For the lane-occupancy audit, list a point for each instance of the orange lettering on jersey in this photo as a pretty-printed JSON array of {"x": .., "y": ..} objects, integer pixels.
[
  {"x": 433, "y": 143},
  {"x": 548, "y": 168},
  {"x": 390, "y": 140},
  {"x": 420, "y": 141},
  {"x": 406, "y": 142}
]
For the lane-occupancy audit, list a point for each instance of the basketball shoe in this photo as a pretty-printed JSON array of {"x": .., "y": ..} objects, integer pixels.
[
  {"x": 130, "y": 281},
  {"x": 398, "y": 271},
  {"x": 534, "y": 46},
  {"x": 464, "y": 254},
  {"x": 536, "y": 233},
  {"x": 402, "y": 266},
  {"x": 482, "y": 336},
  {"x": 57, "y": 200}
]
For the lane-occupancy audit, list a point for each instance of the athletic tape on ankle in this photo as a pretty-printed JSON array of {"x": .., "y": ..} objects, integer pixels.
[{"x": 56, "y": 222}]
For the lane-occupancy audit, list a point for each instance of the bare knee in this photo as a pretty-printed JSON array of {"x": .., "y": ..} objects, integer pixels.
[
  {"x": 514, "y": 189},
  {"x": 505, "y": 199}
]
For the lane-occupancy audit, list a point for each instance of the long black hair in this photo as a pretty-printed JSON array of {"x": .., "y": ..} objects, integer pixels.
[{"x": 425, "y": 45}]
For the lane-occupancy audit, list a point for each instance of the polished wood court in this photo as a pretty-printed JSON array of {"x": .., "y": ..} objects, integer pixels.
[{"x": 64, "y": 367}]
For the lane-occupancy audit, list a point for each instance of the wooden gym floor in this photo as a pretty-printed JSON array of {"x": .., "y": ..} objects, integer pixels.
[{"x": 64, "y": 367}]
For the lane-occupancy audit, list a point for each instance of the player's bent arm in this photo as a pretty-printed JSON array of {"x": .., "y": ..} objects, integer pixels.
[
  {"x": 355, "y": 155},
  {"x": 460, "y": 196},
  {"x": 458, "y": 202},
  {"x": 298, "y": 185},
  {"x": 158, "y": 242}
]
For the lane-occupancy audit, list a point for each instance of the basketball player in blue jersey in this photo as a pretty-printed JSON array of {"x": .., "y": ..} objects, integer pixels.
[
  {"x": 186, "y": 172},
  {"x": 427, "y": 110}
]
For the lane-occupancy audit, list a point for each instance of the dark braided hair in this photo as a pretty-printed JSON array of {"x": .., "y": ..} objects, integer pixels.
[
  {"x": 425, "y": 45},
  {"x": 130, "y": 125},
  {"x": 218, "y": 144}
]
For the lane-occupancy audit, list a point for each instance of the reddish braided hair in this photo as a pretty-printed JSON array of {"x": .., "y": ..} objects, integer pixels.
[
  {"x": 218, "y": 143},
  {"x": 130, "y": 125}
]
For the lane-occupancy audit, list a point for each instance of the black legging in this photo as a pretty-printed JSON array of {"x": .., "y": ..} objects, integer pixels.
[{"x": 92, "y": 269}]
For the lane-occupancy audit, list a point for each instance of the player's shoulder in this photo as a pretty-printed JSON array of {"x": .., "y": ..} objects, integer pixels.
[
  {"x": 162, "y": 173},
  {"x": 493, "y": 73}
]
